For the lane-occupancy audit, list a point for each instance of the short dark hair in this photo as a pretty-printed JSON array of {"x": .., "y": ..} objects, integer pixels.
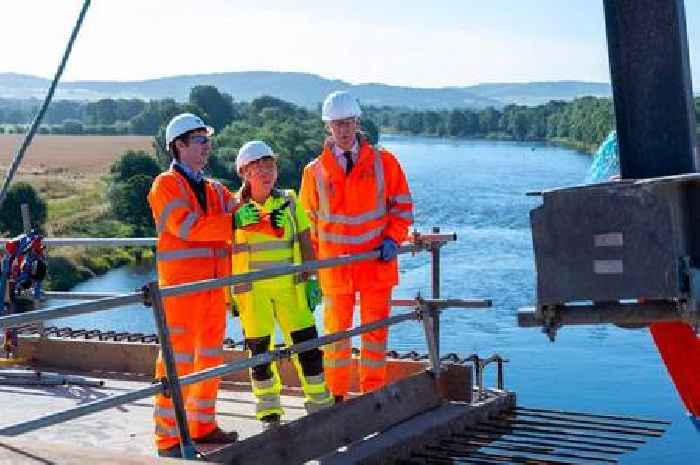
[{"x": 184, "y": 137}]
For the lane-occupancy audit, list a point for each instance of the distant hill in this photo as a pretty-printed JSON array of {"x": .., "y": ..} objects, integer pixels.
[
  {"x": 537, "y": 93},
  {"x": 304, "y": 89}
]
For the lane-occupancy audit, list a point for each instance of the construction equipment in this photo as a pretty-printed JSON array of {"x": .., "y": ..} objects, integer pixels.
[
  {"x": 628, "y": 252},
  {"x": 22, "y": 271}
]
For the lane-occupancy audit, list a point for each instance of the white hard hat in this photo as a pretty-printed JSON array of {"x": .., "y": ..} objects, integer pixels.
[
  {"x": 183, "y": 123},
  {"x": 251, "y": 151},
  {"x": 340, "y": 105}
]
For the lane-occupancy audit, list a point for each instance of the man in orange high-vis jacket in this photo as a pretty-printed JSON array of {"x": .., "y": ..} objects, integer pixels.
[
  {"x": 194, "y": 218},
  {"x": 358, "y": 200}
]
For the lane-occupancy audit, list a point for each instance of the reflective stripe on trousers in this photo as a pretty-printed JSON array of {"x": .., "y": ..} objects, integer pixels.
[
  {"x": 183, "y": 357},
  {"x": 201, "y": 404},
  {"x": 211, "y": 351},
  {"x": 268, "y": 404},
  {"x": 164, "y": 412},
  {"x": 317, "y": 395},
  {"x": 163, "y": 430},
  {"x": 338, "y": 354},
  {"x": 376, "y": 347},
  {"x": 263, "y": 385},
  {"x": 318, "y": 402}
]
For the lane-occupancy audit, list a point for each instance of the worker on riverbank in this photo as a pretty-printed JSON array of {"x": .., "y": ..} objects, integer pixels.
[
  {"x": 358, "y": 200},
  {"x": 288, "y": 300},
  {"x": 194, "y": 219}
]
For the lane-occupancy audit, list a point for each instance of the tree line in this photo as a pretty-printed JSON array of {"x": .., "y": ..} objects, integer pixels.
[
  {"x": 297, "y": 135},
  {"x": 114, "y": 116},
  {"x": 584, "y": 122}
]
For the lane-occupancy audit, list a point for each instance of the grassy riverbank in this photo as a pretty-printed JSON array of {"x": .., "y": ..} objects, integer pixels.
[{"x": 69, "y": 174}]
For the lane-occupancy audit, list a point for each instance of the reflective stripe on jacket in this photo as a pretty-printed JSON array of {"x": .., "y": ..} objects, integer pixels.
[
  {"x": 192, "y": 244},
  {"x": 353, "y": 213},
  {"x": 254, "y": 250}
]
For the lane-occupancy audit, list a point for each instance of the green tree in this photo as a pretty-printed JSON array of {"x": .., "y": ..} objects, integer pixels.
[
  {"x": 415, "y": 123},
  {"x": 128, "y": 108},
  {"x": 72, "y": 127},
  {"x": 456, "y": 123},
  {"x": 217, "y": 108},
  {"x": 132, "y": 163},
  {"x": 106, "y": 111},
  {"x": 156, "y": 114},
  {"x": 431, "y": 121},
  {"x": 129, "y": 203},
  {"x": 488, "y": 120},
  {"x": 370, "y": 129},
  {"x": 11, "y": 214}
]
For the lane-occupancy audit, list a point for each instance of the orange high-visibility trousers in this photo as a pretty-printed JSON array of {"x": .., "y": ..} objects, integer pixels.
[
  {"x": 338, "y": 316},
  {"x": 193, "y": 244},
  {"x": 197, "y": 324}
]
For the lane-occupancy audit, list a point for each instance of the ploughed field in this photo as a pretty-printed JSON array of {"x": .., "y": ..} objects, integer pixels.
[
  {"x": 68, "y": 172},
  {"x": 82, "y": 156}
]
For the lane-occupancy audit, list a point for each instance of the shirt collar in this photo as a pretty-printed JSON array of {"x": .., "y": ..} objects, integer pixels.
[
  {"x": 195, "y": 176},
  {"x": 338, "y": 152}
]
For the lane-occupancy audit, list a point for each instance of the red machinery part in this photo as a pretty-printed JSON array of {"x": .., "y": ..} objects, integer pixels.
[{"x": 679, "y": 347}]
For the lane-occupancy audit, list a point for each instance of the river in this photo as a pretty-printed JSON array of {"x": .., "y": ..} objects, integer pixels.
[{"x": 477, "y": 190}]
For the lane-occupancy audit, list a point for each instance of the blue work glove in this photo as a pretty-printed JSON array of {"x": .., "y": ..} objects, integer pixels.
[
  {"x": 246, "y": 215},
  {"x": 388, "y": 249},
  {"x": 313, "y": 294}
]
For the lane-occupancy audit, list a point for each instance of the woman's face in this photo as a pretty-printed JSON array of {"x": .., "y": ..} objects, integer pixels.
[{"x": 261, "y": 174}]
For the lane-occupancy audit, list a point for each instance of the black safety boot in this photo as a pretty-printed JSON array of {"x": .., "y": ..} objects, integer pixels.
[
  {"x": 217, "y": 436},
  {"x": 270, "y": 421}
]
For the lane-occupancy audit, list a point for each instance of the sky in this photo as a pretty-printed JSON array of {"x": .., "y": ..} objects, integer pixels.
[{"x": 414, "y": 43}]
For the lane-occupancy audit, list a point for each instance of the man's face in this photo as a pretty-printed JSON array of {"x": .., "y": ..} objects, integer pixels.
[
  {"x": 343, "y": 132},
  {"x": 195, "y": 151}
]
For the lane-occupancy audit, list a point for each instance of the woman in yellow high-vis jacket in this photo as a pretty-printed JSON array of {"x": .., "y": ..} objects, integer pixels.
[{"x": 283, "y": 239}]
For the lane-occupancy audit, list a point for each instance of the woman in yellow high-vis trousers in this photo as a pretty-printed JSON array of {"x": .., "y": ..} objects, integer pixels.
[{"x": 283, "y": 239}]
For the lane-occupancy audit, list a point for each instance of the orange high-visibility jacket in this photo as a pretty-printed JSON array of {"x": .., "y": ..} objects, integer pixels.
[
  {"x": 192, "y": 244},
  {"x": 353, "y": 213}
]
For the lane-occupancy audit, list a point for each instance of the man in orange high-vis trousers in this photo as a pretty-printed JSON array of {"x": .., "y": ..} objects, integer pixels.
[
  {"x": 358, "y": 200},
  {"x": 194, "y": 218}
]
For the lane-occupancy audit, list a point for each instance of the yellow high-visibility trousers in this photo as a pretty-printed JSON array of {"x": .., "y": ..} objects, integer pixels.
[{"x": 259, "y": 309}]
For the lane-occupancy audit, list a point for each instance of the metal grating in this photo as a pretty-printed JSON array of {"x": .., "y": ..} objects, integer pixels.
[{"x": 533, "y": 436}]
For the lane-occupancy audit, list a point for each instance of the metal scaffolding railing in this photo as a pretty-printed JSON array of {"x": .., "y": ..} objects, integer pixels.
[{"x": 425, "y": 310}]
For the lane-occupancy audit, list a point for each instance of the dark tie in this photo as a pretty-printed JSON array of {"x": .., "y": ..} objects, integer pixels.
[{"x": 348, "y": 161}]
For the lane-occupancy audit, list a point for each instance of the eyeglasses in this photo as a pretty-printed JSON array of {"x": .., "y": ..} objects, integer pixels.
[
  {"x": 198, "y": 138},
  {"x": 346, "y": 122},
  {"x": 263, "y": 164}
]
